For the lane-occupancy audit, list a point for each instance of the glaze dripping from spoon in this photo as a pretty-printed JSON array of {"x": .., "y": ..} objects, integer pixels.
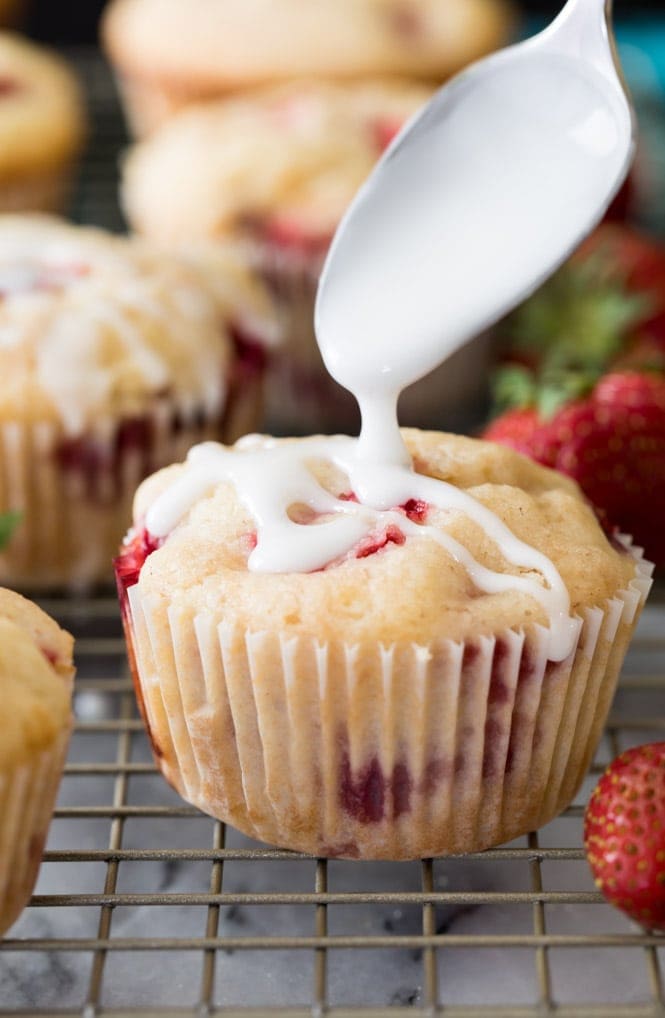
[{"x": 477, "y": 201}]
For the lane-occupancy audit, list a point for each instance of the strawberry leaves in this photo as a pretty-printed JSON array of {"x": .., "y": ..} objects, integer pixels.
[
  {"x": 514, "y": 388},
  {"x": 561, "y": 341}
]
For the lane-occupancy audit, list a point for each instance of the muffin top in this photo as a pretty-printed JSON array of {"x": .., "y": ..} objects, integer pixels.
[
  {"x": 94, "y": 326},
  {"x": 213, "y": 45},
  {"x": 41, "y": 108},
  {"x": 36, "y": 676},
  {"x": 397, "y": 584},
  {"x": 282, "y": 164}
]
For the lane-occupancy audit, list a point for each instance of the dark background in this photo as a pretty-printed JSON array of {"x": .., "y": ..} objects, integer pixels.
[{"x": 76, "y": 20}]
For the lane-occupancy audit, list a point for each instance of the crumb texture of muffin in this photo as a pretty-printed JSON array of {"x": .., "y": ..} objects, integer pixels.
[
  {"x": 36, "y": 675},
  {"x": 420, "y": 715},
  {"x": 169, "y": 55},
  {"x": 114, "y": 358},
  {"x": 42, "y": 125}
]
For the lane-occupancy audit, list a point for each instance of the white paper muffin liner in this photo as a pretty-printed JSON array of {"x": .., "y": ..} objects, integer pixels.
[
  {"x": 27, "y": 798},
  {"x": 371, "y": 751},
  {"x": 73, "y": 518}
]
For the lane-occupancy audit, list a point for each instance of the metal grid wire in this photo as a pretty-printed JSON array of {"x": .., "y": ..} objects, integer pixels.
[{"x": 144, "y": 906}]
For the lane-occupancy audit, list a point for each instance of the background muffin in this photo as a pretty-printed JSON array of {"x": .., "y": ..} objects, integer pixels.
[
  {"x": 421, "y": 715},
  {"x": 277, "y": 170},
  {"x": 113, "y": 360},
  {"x": 35, "y": 691},
  {"x": 169, "y": 54},
  {"x": 42, "y": 127}
]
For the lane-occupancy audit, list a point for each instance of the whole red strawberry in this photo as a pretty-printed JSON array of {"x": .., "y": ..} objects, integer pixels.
[
  {"x": 613, "y": 444},
  {"x": 624, "y": 834},
  {"x": 515, "y": 428}
]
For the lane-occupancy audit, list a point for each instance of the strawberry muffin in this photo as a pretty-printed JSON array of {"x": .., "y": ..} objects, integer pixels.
[
  {"x": 42, "y": 127},
  {"x": 36, "y": 676},
  {"x": 277, "y": 171},
  {"x": 168, "y": 54},
  {"x": 114, "y": 360},
  {"x": 432, "y": 678}
]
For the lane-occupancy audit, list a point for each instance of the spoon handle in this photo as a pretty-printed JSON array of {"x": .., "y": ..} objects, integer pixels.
[
  {"x": 590, "y": 7},
  {"x": 584, "y": 29}
]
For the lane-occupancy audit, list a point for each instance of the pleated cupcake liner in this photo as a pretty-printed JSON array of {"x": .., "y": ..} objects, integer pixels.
[
  {"x": 27, "y": 798},
  {"x": 74, "y": 496},
  {"x": 375, "y": 752}
]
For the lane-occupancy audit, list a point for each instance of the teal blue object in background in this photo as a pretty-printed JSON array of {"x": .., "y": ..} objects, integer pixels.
[
  {"x": 642, "y": 48},
  {"x": 641, "y": 42}
]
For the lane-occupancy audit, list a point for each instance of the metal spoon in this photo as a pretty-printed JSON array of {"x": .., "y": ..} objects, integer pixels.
[{"x": 477, "y": 201}]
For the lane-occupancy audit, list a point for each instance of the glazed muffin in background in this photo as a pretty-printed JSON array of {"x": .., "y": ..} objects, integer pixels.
[
  {"x": 382, "y": 706},
  {"x": 36, "y": 675},
  {"x": 277, "y": 171},
  {"x": 42, "y": 127},
  {"x": 169, "y": 54},
  {"x": 114, "y": 359}
]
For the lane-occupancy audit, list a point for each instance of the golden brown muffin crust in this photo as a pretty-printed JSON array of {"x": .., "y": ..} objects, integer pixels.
[{"x": 36, "y": 675}]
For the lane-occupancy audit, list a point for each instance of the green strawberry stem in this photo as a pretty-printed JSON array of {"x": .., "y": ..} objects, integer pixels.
[
  {"x": 562, "y": 340},
  {"x": 8, "y": 523}
]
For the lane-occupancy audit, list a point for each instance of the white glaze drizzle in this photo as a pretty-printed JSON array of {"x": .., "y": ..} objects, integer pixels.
[
  {"x": 107, "y": 317},
  {"x": 271, "y": 477},
  {"x": 70, "y": 357}
]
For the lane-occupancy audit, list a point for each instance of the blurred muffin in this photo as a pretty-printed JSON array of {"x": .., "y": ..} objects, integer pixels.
[
  {"x": 169, "y": 54},
  {"x": 385, "y": 705},
  {"x": 278, "y": 170},
  {"x": 35, "y": 691},
  {"x": 113, "y": 360},
  {"x": 42, "y": 127}
]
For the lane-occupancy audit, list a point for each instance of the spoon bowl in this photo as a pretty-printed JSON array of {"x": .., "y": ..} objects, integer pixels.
[{"x": 476, "y": 202}]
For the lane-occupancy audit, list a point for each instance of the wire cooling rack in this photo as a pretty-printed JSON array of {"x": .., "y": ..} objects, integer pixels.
[
  {"x": 96, "y": 198},
  {"x": 146, "y": 907}
]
